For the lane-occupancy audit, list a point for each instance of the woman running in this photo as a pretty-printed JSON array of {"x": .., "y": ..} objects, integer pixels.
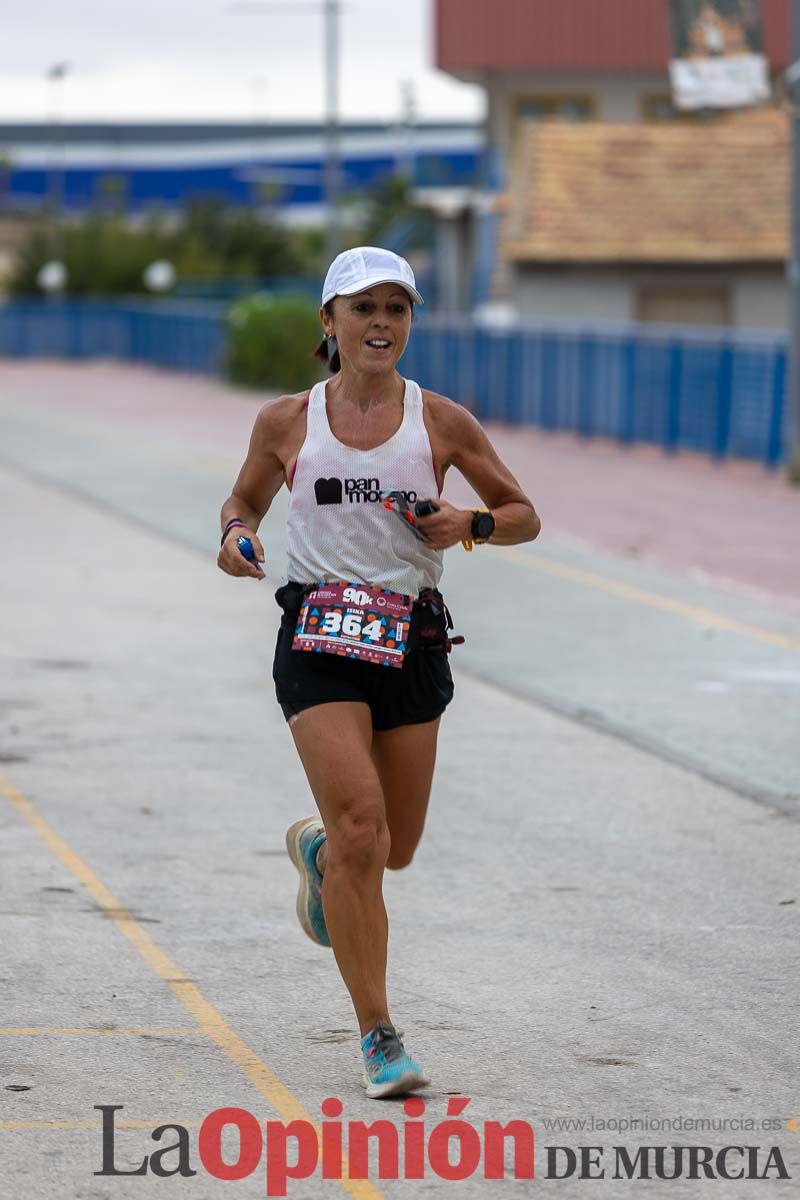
[{"x": 361, "y": 666}]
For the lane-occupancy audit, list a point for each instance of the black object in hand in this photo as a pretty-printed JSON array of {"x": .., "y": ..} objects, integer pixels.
[{"x": 424, "y": 508}]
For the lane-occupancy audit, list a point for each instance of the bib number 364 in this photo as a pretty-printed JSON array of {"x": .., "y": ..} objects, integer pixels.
[{"x": 355, "y": 620}]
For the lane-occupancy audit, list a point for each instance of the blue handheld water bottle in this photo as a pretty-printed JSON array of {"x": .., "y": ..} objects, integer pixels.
[{"x": 246, "y": 549}]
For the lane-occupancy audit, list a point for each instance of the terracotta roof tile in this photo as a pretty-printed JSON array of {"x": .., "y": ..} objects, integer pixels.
[{"x": 599, "y": 192}]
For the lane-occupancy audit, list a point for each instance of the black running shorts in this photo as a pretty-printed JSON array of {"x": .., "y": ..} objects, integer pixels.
[{"x": 418, "y": 691}]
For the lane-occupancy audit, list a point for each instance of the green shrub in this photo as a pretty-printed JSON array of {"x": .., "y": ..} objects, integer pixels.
[
  {"x": 106, "y": 255},
  {"x": 271, "y": 341}
]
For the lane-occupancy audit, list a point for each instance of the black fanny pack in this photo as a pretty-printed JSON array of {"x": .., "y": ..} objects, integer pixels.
[{"x": 431, "y": 621}]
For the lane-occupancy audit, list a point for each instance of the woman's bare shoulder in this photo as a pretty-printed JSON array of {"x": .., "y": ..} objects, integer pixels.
[
  {"x": 282, "y": 410},
  {"x": 445, "y": 415},
  {"x": 279, "y": 417}
]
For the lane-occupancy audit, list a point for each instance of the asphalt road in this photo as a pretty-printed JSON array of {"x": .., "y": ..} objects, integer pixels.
[{"x": 602, "y": 921}]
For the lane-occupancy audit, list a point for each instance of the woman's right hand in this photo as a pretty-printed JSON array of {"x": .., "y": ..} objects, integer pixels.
[{"x": 231, "y": 560}]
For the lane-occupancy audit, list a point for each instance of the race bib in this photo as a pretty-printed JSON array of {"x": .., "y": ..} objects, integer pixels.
[{"x": 355, "y": 620}]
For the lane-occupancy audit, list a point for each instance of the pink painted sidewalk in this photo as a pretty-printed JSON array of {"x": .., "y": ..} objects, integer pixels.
[{"x": 735, "y": 521}]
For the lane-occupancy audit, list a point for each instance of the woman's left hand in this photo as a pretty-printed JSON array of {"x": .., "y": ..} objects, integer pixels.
[{"x": 447, "y": 527}]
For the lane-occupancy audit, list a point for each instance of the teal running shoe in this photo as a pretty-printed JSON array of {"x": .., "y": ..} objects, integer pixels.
[
  {"x": 388, "y": 1069},
  {"x": 303, "y": 840}
]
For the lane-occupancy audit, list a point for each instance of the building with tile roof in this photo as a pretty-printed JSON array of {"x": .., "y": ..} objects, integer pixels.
[
  {"x": 614, "y": 204},
  {"x": 649, "y": 221}
]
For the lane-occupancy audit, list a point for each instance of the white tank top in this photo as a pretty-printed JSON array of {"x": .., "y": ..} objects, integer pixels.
[{"x": 337, "y": 525}]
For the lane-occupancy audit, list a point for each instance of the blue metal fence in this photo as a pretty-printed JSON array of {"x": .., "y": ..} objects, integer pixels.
[
  {"x": 721, "y": 392},
  {"x": 189, "y": 335}
]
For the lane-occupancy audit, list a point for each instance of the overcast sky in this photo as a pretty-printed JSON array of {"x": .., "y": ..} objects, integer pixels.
[{"x": 200, "y": 59}]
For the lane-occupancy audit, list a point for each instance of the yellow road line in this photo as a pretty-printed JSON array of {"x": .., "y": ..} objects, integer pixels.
[
  {"x": 702, "y": 616},
  {"x": 59, "y": 1031},
  {"x": 285, "y": 1104}
]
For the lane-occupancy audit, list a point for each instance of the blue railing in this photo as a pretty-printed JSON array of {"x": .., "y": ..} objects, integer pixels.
[
  {"x": 718, "y": 391},
  {"x": 188, "y": 335}
]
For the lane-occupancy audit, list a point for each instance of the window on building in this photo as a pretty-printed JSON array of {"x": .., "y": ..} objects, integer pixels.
[
  {"x": 561, "y": 107},
  {"x": 684, "y": 305}
]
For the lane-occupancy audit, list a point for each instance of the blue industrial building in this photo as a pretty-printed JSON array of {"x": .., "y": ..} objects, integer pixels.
[{"x": 139, "y": 165}]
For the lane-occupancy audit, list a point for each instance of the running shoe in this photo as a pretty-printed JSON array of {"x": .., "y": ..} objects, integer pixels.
[
  {"x": 388, "y": 1069},
  {"x": 303, "y": 840}
]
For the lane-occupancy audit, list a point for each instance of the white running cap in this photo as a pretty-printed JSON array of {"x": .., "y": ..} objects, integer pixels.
[{"x": 364, "y": 267}]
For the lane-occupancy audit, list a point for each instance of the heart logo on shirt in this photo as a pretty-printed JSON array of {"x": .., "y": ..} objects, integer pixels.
[{"x": 328, "y": 491}]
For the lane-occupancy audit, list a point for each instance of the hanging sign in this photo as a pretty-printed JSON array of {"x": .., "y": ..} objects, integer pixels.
[{"x": 719, "y": 60}]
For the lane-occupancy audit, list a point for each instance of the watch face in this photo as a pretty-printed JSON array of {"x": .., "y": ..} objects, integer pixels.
[{"x": 483, "y": 525}]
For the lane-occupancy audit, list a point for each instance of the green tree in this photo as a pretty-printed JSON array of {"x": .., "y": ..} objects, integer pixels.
[
  {"x": 6, "y": 163},
  {"x": 387, "y": 215}
]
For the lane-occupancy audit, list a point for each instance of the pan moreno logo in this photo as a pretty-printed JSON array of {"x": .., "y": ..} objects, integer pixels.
[
  {"x": 328, "y": 491},
  {"x": 357, "y": 491}
]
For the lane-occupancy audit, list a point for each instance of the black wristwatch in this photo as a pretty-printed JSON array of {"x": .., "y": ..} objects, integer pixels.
[{"x": 483, "y": 524}]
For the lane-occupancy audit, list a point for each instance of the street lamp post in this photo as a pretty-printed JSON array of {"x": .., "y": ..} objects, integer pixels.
[
  {"x": 408, "y": 108},
  {"x": 333, "y": 157},
  {"x": 55, "y": 176},
  {"x": 331, "y": 10}
]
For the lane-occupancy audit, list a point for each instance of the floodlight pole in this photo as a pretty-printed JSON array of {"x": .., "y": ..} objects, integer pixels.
[
  {"x": 331, "y": 10},
  {"x": 333, "y": 158},
  {"x": 793, "y": 395}
]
